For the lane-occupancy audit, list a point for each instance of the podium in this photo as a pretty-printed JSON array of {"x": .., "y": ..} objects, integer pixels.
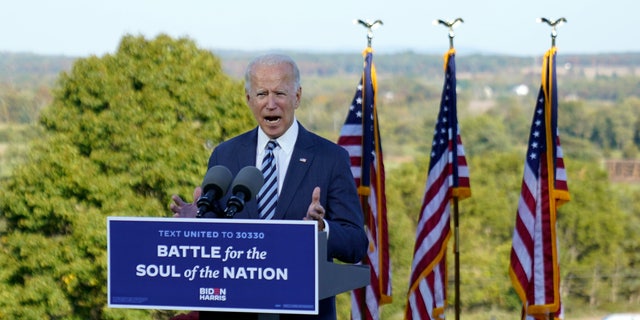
[
  {"x": 265, "y": 268},
  {"x": 338, "y": 278},
  {"x": 334, "y": 279}
]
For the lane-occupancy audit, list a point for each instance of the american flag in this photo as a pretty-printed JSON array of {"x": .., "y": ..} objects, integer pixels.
[
  {"x": 534, "y": 267},
  {"x": 448, "y": 178},
  {"x": 360, "y": 136}
]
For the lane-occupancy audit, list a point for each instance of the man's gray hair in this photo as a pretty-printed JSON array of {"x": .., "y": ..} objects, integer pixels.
[{"x": 271, "y": 59}]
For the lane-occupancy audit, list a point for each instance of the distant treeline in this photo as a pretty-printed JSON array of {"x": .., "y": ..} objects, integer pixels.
[
  {"x": 19, "y": 67},
  {"x": 418, "y": 64},
  {"x": 32, "y": 70},
  {"x": 26, "y": 79}
]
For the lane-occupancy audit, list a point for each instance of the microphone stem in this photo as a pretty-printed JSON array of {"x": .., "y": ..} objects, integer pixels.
[
  {"x": 201, "y": 211},
  {"x": 235, "y": 204}
]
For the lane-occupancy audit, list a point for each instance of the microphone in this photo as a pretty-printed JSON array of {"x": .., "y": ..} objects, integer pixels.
[
  {"x": 214, "y": 186},
  {"x": 245, "y": 186}
]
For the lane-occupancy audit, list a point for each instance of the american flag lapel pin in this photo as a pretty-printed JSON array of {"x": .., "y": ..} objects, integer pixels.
[{"x": 303, "y": 160}]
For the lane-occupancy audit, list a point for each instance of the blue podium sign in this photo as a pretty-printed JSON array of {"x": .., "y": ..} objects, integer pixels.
[{"x": 213, "y": 264}]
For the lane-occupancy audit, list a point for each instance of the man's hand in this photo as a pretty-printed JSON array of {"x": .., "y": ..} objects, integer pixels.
[
  {"x": 316, "y": 211},
  {"x": 182, "y": 209}
]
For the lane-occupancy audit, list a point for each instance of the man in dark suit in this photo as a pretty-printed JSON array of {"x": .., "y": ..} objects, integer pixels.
[{"x": 313, "y": 177}]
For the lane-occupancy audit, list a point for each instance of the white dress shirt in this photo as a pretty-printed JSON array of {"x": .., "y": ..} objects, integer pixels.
[{"x": 282, "y": 153}]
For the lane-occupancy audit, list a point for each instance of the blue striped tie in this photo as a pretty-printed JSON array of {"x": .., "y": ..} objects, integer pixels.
[{"x": 268, "y": 195}]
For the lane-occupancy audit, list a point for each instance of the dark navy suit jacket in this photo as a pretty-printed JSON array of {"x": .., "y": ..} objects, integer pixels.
[{"x": 315, "y": 161}]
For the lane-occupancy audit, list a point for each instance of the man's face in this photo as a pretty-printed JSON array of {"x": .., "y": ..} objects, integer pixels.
[{"x": 273, "y": 98}]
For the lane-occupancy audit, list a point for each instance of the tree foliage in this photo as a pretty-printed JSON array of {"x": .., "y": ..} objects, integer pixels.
[{"x": 124, "y": 132}]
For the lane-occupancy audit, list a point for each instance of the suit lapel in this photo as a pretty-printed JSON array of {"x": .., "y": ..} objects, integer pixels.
[
  {"x": 246, "y": 156},
  {"x": 301, "y": 160}
]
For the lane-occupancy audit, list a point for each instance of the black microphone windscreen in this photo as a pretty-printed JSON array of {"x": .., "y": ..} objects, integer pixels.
[
  {"x": 218, "y": 177},
  {"x": 249, "y": 181}
]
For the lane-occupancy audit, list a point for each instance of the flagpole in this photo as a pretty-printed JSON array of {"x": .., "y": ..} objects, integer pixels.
[
  {"x": 365, "y": 190},
  {"x": 456, "y": 245}
]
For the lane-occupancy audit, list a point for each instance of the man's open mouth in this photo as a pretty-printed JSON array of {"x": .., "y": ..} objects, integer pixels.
[{"x": 271, "y": 119}]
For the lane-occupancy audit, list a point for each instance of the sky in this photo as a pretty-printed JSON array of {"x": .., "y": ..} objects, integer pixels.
[{"x": 89, "y": 27}]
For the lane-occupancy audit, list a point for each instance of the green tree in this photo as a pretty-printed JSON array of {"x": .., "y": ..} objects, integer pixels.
[
  {"x": 591, "y": 233},
  {"x": 486, "y": 228},
  {"x": 123, "y": 133},
  {"x": 405, "y": 187}
]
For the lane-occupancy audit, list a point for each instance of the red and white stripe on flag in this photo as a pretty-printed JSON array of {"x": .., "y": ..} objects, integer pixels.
[
  {"x": 365, "y": 151},
  {"x": 534, "y": 267},
  {"x": 448, "y": 177}
]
